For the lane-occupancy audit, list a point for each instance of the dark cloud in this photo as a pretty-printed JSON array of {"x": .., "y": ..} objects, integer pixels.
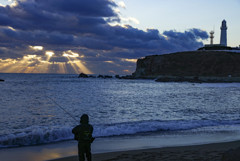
[
  {"x": 95, "y": 8},
  {"x": 4, "y": 19},
  {"x": 188, "y": 40},
  {"x": 83, "y": 27},
  {"x": 199, "y": 34}
]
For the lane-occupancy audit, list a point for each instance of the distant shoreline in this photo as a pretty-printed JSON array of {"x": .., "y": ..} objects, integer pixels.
[
  {"x": 169, "y": 78},
  {"x": 196, "y": 79}
]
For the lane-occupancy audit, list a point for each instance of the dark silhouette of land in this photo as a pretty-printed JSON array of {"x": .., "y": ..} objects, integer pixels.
[{"x": 195, "y": 66}]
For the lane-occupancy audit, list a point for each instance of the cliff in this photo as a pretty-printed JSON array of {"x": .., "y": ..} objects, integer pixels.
[{"x": 189, "y": 64}]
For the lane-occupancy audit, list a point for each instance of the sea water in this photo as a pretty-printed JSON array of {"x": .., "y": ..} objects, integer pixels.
[{"x": 43, "y": 108}]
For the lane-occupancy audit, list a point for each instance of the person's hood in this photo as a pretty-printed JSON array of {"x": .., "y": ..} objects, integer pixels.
[{"x": 84, "y": 119}]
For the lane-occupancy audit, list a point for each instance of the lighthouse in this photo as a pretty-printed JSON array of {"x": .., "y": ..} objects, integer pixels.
[{"x": 223, "y": 40}]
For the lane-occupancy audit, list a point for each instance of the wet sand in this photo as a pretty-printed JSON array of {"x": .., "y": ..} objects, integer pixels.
[{"x": 206, "y": 152}]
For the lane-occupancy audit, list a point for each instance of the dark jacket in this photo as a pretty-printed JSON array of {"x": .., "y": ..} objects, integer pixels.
[{"x": 83, "y": 133}]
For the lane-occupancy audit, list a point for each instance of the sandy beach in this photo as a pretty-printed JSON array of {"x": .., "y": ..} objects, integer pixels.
[
  {"x": 137, "y": 148},
  {"x": 206, "y": 152}
]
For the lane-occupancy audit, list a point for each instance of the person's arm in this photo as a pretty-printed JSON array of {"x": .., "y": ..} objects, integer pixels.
[{"x": 74, "y": 130}]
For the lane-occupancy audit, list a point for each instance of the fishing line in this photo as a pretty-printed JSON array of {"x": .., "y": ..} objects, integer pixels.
[{"x": 62, "y": 108}]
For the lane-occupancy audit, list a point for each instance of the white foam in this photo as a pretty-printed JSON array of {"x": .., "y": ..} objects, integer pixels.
[{"x": 39, "y": 135}]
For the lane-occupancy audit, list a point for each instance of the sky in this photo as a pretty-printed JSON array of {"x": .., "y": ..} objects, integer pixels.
[{"x": 106, "y": 36}]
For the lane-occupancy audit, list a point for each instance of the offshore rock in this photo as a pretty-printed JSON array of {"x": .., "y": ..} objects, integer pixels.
[
  {"x": 128, "y": 77},
  {"x": 108, "y": 76},
  {"x": 82, "y": 75},
  {"x": 195, "y": 66},
  {"x": 104, "y": 76},
  {"x": 1, "y": 80},
  {"x": 125, "y": 77},
  {"x": 117, "y": 76}
]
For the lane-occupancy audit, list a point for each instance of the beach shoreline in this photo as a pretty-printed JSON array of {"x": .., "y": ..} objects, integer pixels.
[
  {"x": 213, "y": 152},
  {"x": 129, "y": 148}
]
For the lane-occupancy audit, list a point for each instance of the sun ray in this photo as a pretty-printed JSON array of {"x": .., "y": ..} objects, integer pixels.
[
  {"x": 62, "y": 68},
  {"x": 76, "y": 64},
  {"x": 49, "y": 54},
  {"x": 83, "y": 67},
  {"x": 41, "y": 64},
  {"x": 75, "y": 67}
]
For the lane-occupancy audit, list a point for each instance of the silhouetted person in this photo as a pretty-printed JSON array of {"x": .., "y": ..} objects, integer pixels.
[{"x": 83, "y": 134}]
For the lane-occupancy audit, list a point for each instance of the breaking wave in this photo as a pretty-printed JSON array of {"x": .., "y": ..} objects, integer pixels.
[{"x": 41, "y": 135}]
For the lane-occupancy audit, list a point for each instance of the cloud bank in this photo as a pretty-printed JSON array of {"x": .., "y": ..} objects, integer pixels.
[{"x": 81, "y": 38}]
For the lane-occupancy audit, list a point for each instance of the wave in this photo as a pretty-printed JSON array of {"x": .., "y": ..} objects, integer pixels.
[
  {"x": 35, "y": 135},
  {"x": 41, "y": 135},
  {"x": 132, "y": 128}
]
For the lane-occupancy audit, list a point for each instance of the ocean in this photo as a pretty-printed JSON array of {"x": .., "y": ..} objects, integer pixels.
[{"x": 43, "y": 108}]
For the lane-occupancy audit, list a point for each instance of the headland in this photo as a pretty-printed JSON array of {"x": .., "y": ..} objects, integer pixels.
[{"x": 192, "y": 66}]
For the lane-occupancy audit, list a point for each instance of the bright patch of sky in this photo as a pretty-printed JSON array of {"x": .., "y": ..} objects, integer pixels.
[{"x": 5, "y": 2}]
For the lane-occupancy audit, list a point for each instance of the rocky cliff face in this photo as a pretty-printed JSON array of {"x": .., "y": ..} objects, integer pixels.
[{"x": 194, "y": 63}]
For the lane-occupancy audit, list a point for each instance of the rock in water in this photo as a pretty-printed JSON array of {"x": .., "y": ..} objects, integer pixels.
[{"x": 82, "y": 75}]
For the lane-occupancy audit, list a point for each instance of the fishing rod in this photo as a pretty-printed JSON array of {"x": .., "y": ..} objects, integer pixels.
[{"x": 62, "y": 108}]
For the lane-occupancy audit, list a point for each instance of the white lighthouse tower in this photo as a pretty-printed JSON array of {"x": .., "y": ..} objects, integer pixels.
[{"x": 223, "y": 40}]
